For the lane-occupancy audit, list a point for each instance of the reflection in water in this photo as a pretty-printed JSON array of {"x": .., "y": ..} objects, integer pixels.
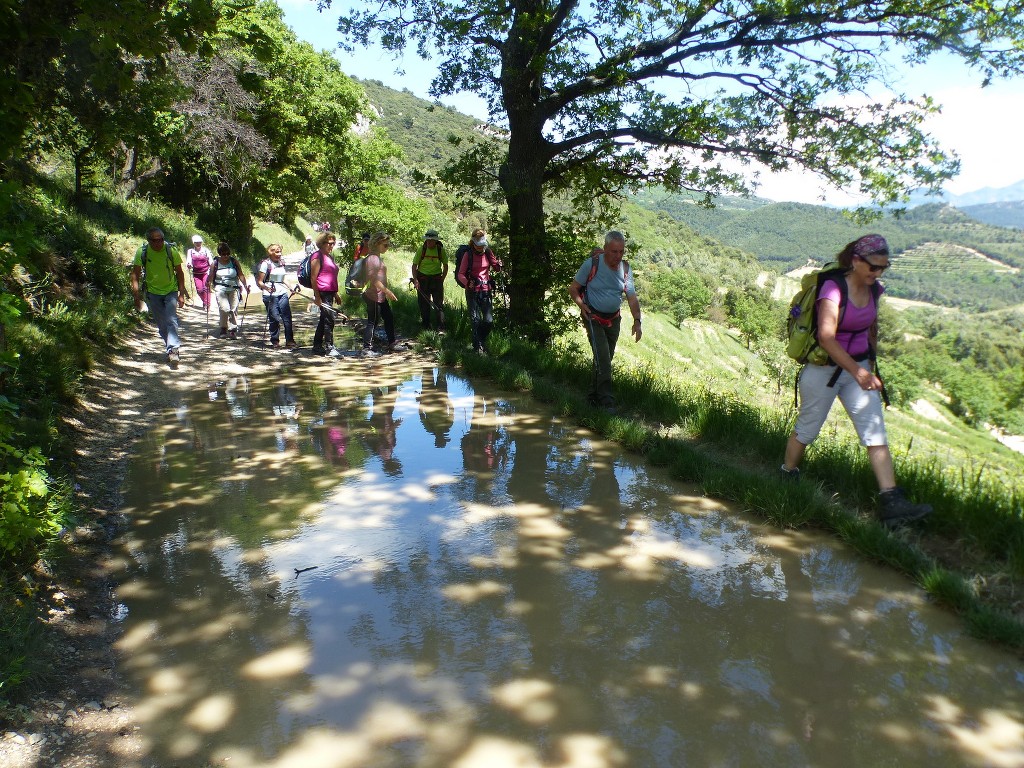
[{"x": 402, "y": 571}]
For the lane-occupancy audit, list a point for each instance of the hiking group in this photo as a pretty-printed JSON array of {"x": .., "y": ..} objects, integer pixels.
[{"x": 833, "y": 325}]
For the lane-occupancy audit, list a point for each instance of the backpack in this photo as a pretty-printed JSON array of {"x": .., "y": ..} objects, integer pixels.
[
  {"x": 238, "y": 272},
  {"x": 304, "y": 275},
  {"x": 593, "y": 271},
  {"x": 460, "y": 254},
  {"x": 355, "y": 280},
  {"x": 802, "y": 323},
  {"x": 423, "y": 253},
  {"x": 145, "y": 260}
]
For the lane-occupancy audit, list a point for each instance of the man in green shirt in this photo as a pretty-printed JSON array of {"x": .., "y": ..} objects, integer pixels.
[
  {"x": 429, "y": 269},
  {"x": 164, "y": 287}
]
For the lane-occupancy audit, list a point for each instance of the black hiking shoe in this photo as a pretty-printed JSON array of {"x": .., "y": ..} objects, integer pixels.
[
  {"x": 789, "y": 475},
  {"x": 896, "y": 510}
]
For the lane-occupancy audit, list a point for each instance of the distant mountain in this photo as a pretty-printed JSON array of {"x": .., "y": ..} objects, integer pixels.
[
  {"x": 1006, "y": 214},
  {"x": 986, "y": 196},
  {"x": 943, "y": 255}
]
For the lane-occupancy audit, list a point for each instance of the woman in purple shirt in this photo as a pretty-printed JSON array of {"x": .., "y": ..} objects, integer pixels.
[
  {"x": 849, "y": 334},
  {"x": 323, "y": 272}
]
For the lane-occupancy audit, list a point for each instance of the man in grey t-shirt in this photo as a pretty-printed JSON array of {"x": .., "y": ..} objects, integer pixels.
[{"x": 597, "y": 290}]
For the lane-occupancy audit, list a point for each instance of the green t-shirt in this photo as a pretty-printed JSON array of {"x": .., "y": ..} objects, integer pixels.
[
  {"x": 430, "y": 261},
  {"x": 161, "y": 277}
]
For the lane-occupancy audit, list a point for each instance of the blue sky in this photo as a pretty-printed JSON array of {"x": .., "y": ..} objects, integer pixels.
[{"x": 985, "y": 126}]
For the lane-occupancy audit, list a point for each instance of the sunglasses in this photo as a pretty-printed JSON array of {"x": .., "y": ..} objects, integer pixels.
[{"x": 874, "y": 267}]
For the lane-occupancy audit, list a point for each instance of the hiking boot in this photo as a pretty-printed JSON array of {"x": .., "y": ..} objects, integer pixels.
[
  {"x": 232, "y": 335},
  {"x": 367, "y": 352},
  {"x": 333, "y": 352},
  {"x": 319, "y": 351},
  {"x": 223, "y": 333},
  {"x": 895, "y": 509},
  {"x": 290, "y": 345},
  {"x": 789, "y": 475},
  {"x": 173, "y": 356}
]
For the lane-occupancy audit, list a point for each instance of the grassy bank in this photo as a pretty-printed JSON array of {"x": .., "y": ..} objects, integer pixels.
[{"x": 968, "y": 556}]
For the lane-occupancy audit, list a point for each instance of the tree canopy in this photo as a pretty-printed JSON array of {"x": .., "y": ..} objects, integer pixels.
[{"x": 605, "y": 97}]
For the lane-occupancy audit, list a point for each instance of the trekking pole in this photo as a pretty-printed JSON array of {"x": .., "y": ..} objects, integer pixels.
[
  {"x": 208, "y": 299},
  {"x": 245, "y": 306},
  {"x": 593, "y": 340},
  {"x": 430, "y": 301}
]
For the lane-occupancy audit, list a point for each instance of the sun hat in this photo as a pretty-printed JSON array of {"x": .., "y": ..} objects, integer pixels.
[
  {"x": 431, "y": 235},
  {"x": 197, "y": 238}
]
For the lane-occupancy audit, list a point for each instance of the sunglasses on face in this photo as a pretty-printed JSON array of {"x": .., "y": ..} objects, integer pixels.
[{"x": 874, "y": 267}]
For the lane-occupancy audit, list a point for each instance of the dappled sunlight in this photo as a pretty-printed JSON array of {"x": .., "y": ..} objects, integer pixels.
[
  {"x": 991, "y": 737},
  {"x": 471, "y": 593},
  {"x": 532, "y": 701},
  {"x": 282, "y": 662},
  {"x": 212, "y": 713},
  {"x": 397, "y": 569}
]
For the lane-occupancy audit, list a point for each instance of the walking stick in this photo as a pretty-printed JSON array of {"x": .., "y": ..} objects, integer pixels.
[
  {"x": 208, "y": 299},
  {"x": 430, "y": 301},
  {"x": 245, "y": 306}
]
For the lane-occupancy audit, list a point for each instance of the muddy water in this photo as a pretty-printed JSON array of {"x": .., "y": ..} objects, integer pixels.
[{"x": 408, "y": 571}]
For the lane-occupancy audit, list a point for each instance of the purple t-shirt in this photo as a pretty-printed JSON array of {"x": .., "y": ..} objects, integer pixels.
[
  {"x": 327, "y": 277},
  {"x": 853, "y": 332}
]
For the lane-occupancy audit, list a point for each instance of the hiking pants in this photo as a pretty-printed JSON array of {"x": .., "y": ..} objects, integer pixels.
[
  {"x": 816, "y": 398},
  {"x": 602, "y": 343},
  {"x": 227, "y": 303},
  {"x": 323, "y": 338},
  {"x": 378, "y": 312},
  {"x": 202, "y": 281},
  {"x": 279, "y": 312},
  {"x": 481, "y": 316},
  {"x": 431, "y": 290},
  {"x": 165, "y": 312}
]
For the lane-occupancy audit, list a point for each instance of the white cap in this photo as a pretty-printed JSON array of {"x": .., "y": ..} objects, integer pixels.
[{"x": 197, "y": 238}]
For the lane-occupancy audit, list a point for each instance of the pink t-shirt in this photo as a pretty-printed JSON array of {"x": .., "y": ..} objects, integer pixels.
[
  {"x": 327, "y": 277},
  {"x": 853, "y": 331},
  {"x": 376, "y": 270}
]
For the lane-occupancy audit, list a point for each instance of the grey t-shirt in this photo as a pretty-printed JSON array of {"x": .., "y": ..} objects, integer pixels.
[{"x": 604, "y": 293}]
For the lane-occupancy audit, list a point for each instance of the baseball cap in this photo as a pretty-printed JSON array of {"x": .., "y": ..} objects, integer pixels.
[
  {"x": 197, "y": 238},
  {"x": 481, "y": 241}
]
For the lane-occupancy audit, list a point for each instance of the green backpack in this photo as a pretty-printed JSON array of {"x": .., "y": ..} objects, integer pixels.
[{"x": 802, "y": 323}]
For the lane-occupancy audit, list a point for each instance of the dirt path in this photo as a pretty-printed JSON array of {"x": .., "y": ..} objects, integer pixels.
[{"x": 84, "y": 719}]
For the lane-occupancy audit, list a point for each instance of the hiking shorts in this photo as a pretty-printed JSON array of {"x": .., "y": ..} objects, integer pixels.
[{"x": 816, "y": 397}]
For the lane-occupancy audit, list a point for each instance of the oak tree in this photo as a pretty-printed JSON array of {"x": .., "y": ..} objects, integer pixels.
[{"x": 602, "y": 97}]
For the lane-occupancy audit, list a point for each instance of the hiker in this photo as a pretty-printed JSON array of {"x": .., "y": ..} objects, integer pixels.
[
  {"x": 848, "y": 375},
  {"x": 377, "y": 294},
  {"x": 228, "y": 281},
  {"x": 270, "y": 280},
  {"x": 363, "y": 247},
  {"x": 597, "y": 290},
  {"x": 436, "y": 409},
  {"x": 475, "y": 261},
  {"x": 164, "y": 286},
  {"x": 323, "y": 273},
  {"x": 429, "y": 269},
  {"x": 199, "y": 260},
  {"x": 309, "y": 246}
]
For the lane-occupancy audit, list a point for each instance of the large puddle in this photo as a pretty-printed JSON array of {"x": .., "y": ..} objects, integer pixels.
[{"x": 412, "y": 571}]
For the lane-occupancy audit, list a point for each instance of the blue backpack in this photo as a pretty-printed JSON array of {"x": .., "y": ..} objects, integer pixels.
[{"x": 304, "y": 275}]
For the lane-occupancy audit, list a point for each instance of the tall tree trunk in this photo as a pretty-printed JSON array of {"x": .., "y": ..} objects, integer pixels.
[
  {"x": 521, "y": 177},
  {"x": 529, "y": 261}
]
